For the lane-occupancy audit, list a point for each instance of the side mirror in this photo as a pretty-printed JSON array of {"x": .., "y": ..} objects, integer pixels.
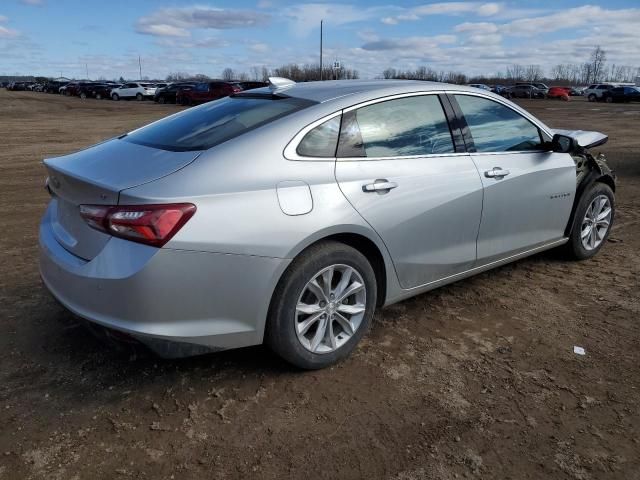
[{"x": 563, "y": 144}]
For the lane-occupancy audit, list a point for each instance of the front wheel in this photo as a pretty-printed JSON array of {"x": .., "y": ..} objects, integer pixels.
[
  {"x": 161, "y": 100},
  {"x": 115, "y": 97},
  {"x": 592, "y": 222},
  {"x": 139, "y": 97},
  {"x": 322, "y": 306},
  {"x": 592, "y": 97},
  {"x": 609, "y": 99}
]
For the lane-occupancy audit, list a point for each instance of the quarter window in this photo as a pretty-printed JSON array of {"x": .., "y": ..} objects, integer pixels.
[
  {"x": 496, "y": 127},
  {"x": 402, "y": 127},
  {"x": 322, "y": 140}
]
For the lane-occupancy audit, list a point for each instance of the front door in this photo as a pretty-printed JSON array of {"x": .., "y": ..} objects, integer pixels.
[
  {"x": 398, "y": 167},
  {"x": 528, "y": 190}
]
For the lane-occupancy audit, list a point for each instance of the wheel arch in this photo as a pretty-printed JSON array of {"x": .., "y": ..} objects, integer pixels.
[
  {"x": 370, "y": 246},
  {"x": 596, "y": 175}
]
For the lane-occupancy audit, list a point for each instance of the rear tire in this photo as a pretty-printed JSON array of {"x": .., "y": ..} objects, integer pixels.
[
  {"x": 98, "y": 96},
  {"x": 609, "y": 99},
  {"x": 595, "y": 211},
  {"x": 139, "y": 97},
  {"x": 115, "y": 97},
  {"x": 161, "y": 100},
  {"x": 331, "y": 331},
  {"x": 83, "y": 96},
  {"x": 592, "y": 97}
]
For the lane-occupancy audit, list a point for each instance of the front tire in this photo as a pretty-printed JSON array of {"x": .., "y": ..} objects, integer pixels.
[
  {"x": 592, "y": 97},
  {"x": 592, "y": 222},
  {"x": 139, "y": 97},
  {"x": 115, "y": 97},
  {"x": 323, "y": 306}
]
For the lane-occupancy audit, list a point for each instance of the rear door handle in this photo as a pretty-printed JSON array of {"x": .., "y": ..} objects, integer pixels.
[
  {"x": 496, "y": 172},
  {"x": 381, "y": 185}
]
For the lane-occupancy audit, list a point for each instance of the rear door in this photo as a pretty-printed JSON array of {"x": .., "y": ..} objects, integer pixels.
[
  {"x": 528, "y": 190},
  {"x": 405, "y": 171}
]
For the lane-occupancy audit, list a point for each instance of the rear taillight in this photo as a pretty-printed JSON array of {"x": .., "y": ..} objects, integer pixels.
[{"x": 149, "y": 224}]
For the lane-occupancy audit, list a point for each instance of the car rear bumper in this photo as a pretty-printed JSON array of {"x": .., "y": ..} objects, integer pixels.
[{"x": 177, "y": 302}]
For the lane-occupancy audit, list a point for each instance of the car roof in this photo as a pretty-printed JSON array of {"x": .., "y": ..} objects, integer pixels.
[{"x": 354, "y": 91}]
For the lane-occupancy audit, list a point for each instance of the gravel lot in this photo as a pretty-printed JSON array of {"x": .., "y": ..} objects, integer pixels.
[{"x": 474, "y": 380}]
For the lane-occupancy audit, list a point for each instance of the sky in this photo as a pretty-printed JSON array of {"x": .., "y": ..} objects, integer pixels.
[{"x": 71, "y": 37}]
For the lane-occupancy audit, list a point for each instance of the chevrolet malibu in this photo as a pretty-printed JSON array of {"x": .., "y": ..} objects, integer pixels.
[{"x": 288, "y": 214}]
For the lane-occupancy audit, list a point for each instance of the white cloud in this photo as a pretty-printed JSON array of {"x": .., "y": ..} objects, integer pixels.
[
  {"x": 306, "y": 17},
  {"x": 259, "y": 47},
  {"x": 8, "y": 32},
  {"x": 177, "y": 22},
  {"x": 476, "y": 28},
  {"x": 445, "y": 8}
]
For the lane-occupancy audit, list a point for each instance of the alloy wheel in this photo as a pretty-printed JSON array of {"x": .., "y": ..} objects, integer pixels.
[
  {"x": 596, "y": 222},
  {"x": 330, "y": 308}
]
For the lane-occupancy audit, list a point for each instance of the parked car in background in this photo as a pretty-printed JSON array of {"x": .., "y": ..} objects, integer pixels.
[
  {"x": 96, "y": 90},
  {"x": 189, "y": 256},
  {"x": 251, "y": 85},
  {"x": 525, "y": 91},
  {"x": 206, "y": 91},
  {"x": 540, "y": 86},
  {"x": 481, "y": 86},
  {"x": 168, "y": 93},
  {"x": 622, "y": 94},
  {"x": 561, "y": 93},
  {"x": 138, "y": 90},
  {"x": 53, "y": 86},
  {"x": 499, "y": 89},
  {"x": 595, "y": 91}
]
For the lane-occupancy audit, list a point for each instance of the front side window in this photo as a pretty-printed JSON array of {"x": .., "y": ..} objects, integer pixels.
[
  {"x": 322, "y": 140},
  {"x": 496, "y": 127},
  {"x": 215, "y": 122},
  {"x": 409, "y": 126}
]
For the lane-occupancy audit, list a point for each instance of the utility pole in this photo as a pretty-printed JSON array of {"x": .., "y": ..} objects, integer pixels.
[
  {"x": 86, "y": 65},
  {"x": 321, "y": 49},
  {"x": 140, "y": 66}
]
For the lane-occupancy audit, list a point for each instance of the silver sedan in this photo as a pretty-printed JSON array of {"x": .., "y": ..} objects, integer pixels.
[{"x": 288, "y": 214}]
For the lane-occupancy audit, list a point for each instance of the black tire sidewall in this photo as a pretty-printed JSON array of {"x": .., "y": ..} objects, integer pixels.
[
  {"x": 576, "y": 249},
  {"x": 280, "y": 333}
]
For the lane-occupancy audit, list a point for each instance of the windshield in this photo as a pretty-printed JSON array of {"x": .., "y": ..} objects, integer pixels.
[{"x": 210, "y": 124}]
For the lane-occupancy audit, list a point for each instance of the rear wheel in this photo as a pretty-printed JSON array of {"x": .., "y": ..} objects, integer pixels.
[
  {"x": 592, "y": 223},
  {"x": 592, "y": 97},
  {"x": 98, "y": 96},
  {"x": 322, "y": 306},
  {"x": 115, "y": 97},
  {"x": 139, "y": 97},
  {"x": 161, "y": 100},
  {"x": 83, "y": 95},
  {"x": 609, "y": 99}
]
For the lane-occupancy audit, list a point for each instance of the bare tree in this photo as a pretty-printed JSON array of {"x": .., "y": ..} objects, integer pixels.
[
  {"x": 598, "y": 59},
  {"x": 228, "y": 74},
  {"x": 515, "y": 72}
]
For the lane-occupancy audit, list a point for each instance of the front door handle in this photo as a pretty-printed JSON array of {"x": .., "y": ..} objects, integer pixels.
[
  {"x": 496, "y": 172},
  {"x": 381, "y": 185}
]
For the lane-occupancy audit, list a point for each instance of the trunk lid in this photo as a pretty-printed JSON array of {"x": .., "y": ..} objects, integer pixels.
[{"x": 96, "y": 176}]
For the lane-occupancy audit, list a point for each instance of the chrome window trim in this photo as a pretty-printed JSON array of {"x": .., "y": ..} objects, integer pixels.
[
  {"x": 291, "y": 153},
  {"x": 291, "y": 150},
  {"x": 519, "y": 111}
]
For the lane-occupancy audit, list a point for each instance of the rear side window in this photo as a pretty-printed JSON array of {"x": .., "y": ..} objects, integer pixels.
[
  {"x": 210, "y": 124},
  {"x": 497, "y": 128},
  {"x": 410, "y": 126},
  {"x": 322, "y": 140}
]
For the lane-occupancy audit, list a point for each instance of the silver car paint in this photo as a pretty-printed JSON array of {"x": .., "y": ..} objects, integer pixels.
[{"x": 212, "y": 283}]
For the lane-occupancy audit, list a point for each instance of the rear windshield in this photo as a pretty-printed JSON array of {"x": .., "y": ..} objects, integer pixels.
[{"x": 215, "y": 122}]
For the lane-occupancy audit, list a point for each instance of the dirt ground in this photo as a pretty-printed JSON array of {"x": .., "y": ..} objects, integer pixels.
[{"x": 474, "y": 380}]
